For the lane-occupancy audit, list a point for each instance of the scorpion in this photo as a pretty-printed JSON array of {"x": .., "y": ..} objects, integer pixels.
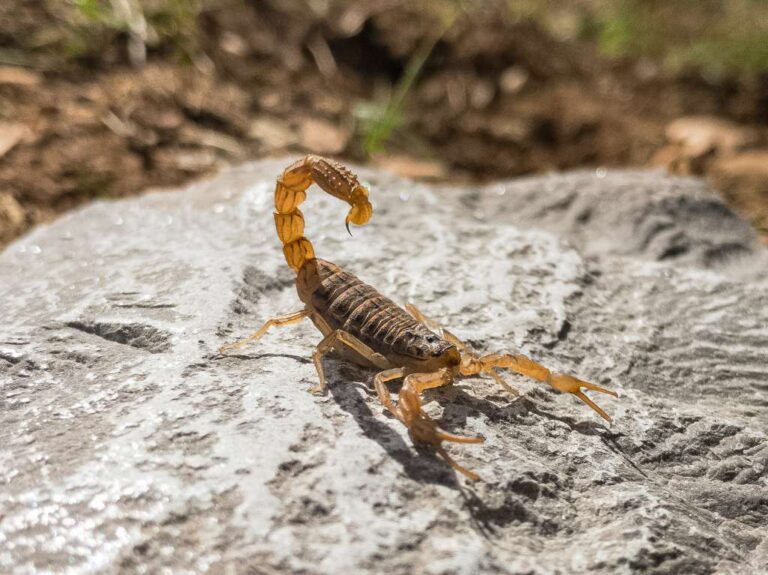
[{"x": 365, "y": 327}]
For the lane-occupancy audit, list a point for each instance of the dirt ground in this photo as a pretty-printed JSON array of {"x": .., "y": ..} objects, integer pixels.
[{"x": 494, "y": 97}]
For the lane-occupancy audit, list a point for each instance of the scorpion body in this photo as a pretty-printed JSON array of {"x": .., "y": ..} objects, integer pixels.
[
  {"x": 346, "y": 303},
  {"x": 367, "y": 328}
]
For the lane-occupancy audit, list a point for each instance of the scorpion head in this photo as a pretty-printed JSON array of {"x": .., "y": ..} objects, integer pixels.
[{"x": 431, "y": 352}]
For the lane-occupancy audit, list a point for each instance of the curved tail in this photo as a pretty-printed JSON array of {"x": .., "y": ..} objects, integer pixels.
[{"x": 291, "y": 191}]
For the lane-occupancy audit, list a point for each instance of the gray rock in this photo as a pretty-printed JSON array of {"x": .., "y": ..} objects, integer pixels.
[{"x": 129, "y": 444}]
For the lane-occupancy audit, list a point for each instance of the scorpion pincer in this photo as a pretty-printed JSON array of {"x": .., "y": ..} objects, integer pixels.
[{"x": 369, "y": 329}]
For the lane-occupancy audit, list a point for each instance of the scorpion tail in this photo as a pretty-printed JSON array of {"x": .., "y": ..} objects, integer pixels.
[{"x": 291, "y": 191}]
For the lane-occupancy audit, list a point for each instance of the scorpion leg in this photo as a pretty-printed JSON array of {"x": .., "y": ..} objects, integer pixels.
[
  {"x": 423, "y": 428},
  {"x": 338, "y": 339},
  {"x": 378, "y": 382},
  {"x": 525, "y": 366},
  {"x": 275, "y": 321}
]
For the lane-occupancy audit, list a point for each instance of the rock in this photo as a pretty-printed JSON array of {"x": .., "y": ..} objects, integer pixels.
[
  {"x": 188, "y": 160},
  {"x": 513, "y": 79},
  {"x": 507, "y": 128},
  {"x": 682, "y": 221},
  {"x": 234, "y": 44},
  {"x": 481, "y": 93},
  {"x": 130, "y": 445}
]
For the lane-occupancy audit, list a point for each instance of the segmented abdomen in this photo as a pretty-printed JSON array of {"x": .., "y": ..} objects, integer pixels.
[{"x": 347, "y": 303}]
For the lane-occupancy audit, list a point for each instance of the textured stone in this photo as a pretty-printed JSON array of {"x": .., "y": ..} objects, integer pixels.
[{"x": 129, "y": 444}]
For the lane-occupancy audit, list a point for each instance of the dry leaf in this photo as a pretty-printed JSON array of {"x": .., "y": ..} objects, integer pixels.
[
  {"x": 18, "y": 76},
  {"x": 272, "y": 132},
  {"x": 322, "y": 137},
  {"x": 10, "y": 135},
  {"x": 408, "y": 167},
  {"x": 699, "y": 135}
]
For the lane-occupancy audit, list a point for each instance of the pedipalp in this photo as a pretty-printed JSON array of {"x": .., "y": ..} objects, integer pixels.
[{"x": 525, "y": 366}]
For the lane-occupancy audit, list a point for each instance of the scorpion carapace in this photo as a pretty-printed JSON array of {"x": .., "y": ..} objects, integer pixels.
[{"x": 367, "y": 328}]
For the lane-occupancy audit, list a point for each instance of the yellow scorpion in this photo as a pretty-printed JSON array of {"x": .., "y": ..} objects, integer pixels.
[{"x": 369, "y": 329}]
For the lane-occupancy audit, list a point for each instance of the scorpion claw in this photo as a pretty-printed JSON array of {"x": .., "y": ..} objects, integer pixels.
[
  {"x": 424, "y": 430},
  {"x": 570, "y": 384},
  {"x": 346, "y": 224},
  {"x": 593, "y": 405}
]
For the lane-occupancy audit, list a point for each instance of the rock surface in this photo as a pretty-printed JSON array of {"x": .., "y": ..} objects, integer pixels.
[{"x": 129, "y": 444}]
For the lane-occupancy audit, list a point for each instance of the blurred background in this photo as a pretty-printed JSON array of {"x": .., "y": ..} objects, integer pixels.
[{"x": 105, "y": 98}]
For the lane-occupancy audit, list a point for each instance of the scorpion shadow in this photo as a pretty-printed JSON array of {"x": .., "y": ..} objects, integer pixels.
[
  {"x": 489, "y": 520},
  {"x": 344, "y": 381},
  {"x": 423, "y": 466},
  {"x": 458, "y": 406}
]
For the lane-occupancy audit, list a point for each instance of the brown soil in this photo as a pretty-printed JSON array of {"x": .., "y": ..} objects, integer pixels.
[{"x": 495, "y": 98}]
